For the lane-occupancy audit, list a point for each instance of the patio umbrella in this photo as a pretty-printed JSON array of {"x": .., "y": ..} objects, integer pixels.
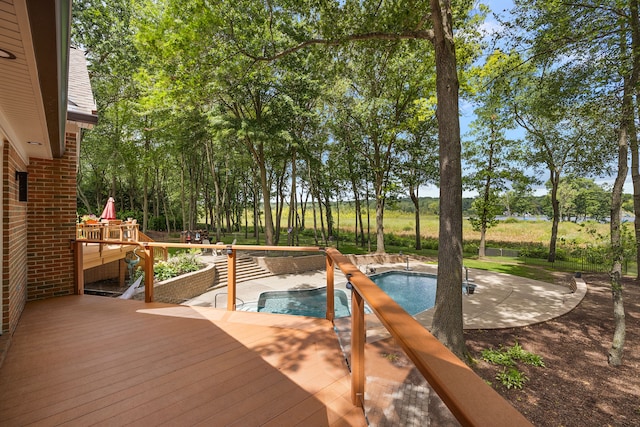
[{"x": 109, "y": 212}]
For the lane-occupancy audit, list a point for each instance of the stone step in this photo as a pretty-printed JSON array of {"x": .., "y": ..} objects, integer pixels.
[{"x": 246, "y": 269}]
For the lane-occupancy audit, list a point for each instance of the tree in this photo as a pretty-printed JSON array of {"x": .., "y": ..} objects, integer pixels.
[
  {"x": 492, "y": 157},
  {"x": 596, "y": 35},
  {"x": 564, "y": 128}
]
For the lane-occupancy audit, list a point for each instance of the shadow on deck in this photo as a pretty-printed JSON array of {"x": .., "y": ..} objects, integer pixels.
[{"x": 91, "y": 360}]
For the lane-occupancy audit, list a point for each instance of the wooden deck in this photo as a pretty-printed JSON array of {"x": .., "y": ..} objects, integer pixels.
[{"x": 81, "y": 360}]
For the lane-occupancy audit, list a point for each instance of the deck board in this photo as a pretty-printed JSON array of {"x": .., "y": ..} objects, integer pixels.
[{"x": 80, "y": 360}]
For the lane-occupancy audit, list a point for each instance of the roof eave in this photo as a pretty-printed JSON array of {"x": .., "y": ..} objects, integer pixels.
[{"x": 47, "y": 18}]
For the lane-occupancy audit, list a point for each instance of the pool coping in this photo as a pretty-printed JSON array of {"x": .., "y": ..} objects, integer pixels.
[{"x": 499, "y": 301}]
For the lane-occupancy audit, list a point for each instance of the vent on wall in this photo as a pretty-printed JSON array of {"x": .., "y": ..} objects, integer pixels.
[{"x": 21, "y": 177}]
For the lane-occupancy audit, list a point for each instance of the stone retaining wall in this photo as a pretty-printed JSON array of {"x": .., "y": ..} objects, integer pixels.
[
  {"x": 178, "y": 289},
  {"x": 375, "y": 258},
  {"x": 291, "y": 264}
]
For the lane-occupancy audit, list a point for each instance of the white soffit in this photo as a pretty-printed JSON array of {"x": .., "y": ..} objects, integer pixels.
[{"x": 21, "y": 107}]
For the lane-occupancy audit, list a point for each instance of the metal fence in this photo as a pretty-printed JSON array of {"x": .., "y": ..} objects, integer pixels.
[
  {"x": 501, "y": 252},
  {"x": 585, "y": 262}
]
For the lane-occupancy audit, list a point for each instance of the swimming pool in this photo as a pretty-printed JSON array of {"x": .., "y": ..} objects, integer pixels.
[
  {"x": 303, "y": 302},
  {"x": 413, "y": 291}
]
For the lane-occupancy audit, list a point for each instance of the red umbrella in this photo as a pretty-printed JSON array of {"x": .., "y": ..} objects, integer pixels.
[{"x": 109, "y": 212}]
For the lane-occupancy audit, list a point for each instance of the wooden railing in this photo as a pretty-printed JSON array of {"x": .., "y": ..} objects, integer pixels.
[
  {"x": 112, "y": 231},
  {"x": 468, "y": 397}
]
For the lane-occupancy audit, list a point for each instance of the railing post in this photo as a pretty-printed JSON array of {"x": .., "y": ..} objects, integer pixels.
[
  {"x": 330, "y": 289},
  {"x": 358, "y": 339},
  {"x": 78, "y": 257},
  {"x": 231, "y": 278},
  {"x": 148, "y": 273}
]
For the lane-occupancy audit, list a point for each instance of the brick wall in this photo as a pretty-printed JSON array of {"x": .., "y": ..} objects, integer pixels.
[
  {"x": 14, "y": 236},
  {"x": 51, "y": 222}
]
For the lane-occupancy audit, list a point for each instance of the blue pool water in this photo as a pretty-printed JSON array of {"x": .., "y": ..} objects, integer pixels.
[
  {"x": 306, "y": 302},
  {"x": 415, "y": 292}
]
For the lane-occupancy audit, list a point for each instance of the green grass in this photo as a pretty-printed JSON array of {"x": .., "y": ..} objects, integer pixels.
[{"x": 511, "y": 266}]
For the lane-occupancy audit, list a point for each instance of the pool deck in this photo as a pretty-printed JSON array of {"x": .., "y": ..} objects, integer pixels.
[{"x": 499, "y": 300}]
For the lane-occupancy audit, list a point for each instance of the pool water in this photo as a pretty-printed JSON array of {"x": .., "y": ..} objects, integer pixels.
[
  {"x": 415, "y": 292},
  {"x": 306, "y": 302}
]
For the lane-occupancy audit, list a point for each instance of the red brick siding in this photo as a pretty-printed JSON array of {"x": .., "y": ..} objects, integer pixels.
[
  {"x": 14, "y": 236},
  {"x": 51, "y": 220}
]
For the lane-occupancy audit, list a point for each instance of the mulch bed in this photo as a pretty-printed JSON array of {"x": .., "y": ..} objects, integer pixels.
[{"x": 576, "y": 387}]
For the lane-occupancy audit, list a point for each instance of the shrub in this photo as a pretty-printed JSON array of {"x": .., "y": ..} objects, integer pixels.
[
  {"x": 511, "y": 220},
  {"x": 471, "y": 248},
  {"x": 510, "y": 376},
  {"x": 181, "y": 263}
]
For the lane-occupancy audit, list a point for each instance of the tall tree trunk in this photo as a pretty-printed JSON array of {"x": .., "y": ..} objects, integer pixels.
[
  {"x": 293, "y": 208},
  {"x": 380, "y": 199},
  {"x": 482, "y": 249},
  {"x": 447, "y": 317},
  {"x": 266, "y": 201},
  {"x": 83, "y": 197},
  {"x": 484, "y": 215},
  {"x": 354, "y": 189},
  {"x": 183, "y": 195},
  {"x": 216, "y": 189},
  {"x": 413, "y": 193},
  {"x": 633, "y": 137},
  {"x": 555, "y": 206},
  {"x": 617, "y": 344},
  {"x": 368, "y": 221}
]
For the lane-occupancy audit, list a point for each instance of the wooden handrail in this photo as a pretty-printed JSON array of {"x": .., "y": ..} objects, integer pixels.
[{"x": 468, "y": 397}]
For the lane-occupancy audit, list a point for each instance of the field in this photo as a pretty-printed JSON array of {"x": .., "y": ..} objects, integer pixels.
[{"x": 512, "y": 230}]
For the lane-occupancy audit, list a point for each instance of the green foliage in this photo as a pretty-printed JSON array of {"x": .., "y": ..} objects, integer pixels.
[
  {"x": 181, "y": 263},
  {"x": 510, "y": 376}
]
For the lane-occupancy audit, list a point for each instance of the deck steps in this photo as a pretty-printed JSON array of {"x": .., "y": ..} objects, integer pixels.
[{"x": 246, "y": 269}]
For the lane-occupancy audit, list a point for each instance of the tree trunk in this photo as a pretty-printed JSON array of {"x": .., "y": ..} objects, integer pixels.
[
  {"x": 482, "y": 252},
  {"x": 266, "y": 200},
  {"x": 293, "y": 208},
  {"x": 633, "y": 137},
  {"x": 617, "y": 345},
  {"x": 555, "y": 205},
  {"x": 380, "y": 225},
  {"x": 83, "y": 197},
  {"x": 182, "y": 194},
  {"x": 447, "y": 318},
  {"x": 313, "y": 204},
  {"x": 145, "y": 202},
  {"x": 413, "y": 193},
  {"x": 354, "y": 189},
  {"x": 380, "y": 199}
]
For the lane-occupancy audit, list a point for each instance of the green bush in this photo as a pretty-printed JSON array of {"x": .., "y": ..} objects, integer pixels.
[
  {"x": 510, "y": 376},
  {"x": 511, "y": 220},
  {"x": 470, "y": 248},
  {"x": 181, "y": 263},
  {"x": 538, "y": 252}
]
